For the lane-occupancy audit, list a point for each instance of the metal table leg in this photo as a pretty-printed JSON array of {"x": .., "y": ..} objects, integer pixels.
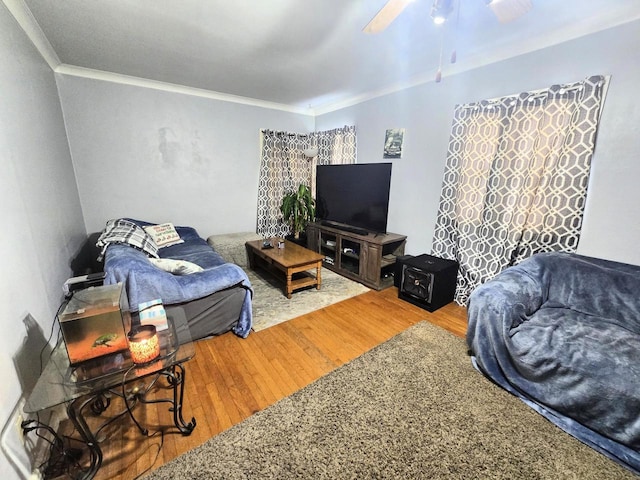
[
  {"x": 175, "y": 376},
  {"x": 99, "y": 402},
  {"x": 95, "y": 452},
  {"x": 177, "y": 379}
]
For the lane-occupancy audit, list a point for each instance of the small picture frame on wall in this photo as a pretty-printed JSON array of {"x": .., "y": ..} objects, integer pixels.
[{"x": 393, "y": 141}]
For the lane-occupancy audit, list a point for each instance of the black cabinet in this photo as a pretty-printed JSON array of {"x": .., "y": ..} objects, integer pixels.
[{"x": 426, "y": 281}]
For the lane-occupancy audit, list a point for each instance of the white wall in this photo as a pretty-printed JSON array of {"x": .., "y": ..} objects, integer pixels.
[
  {"x": 166, "y": 157},
  {"x": 40, "y": 210},
  {"x": 611, "y": 226}
]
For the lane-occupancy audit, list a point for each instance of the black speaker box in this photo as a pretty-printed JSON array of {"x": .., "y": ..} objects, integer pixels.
[{"x": 426, "y": 281}]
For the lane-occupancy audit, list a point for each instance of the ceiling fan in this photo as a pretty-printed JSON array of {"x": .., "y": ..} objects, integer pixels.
[{"x": 504, "y": 10}]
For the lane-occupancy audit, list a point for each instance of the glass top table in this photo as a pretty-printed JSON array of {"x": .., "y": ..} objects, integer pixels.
[{"x": 85, "y": 384}]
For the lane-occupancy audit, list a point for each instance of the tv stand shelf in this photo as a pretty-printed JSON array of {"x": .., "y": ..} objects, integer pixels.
[{"x": 367, "y": 258}]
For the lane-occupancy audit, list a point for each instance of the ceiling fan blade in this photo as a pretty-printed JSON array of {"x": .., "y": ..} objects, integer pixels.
[
  {"x": 386, "y": 15},
  {"x": 509, "y": 10}
]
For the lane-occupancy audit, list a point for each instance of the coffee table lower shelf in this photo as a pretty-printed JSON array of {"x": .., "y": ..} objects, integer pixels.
[
  {"x": 293, "y": 262},
  {"x": 303, "y": 279}
]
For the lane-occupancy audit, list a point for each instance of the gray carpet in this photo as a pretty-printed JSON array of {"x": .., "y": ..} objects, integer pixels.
[{"x": 413, "y": 407}]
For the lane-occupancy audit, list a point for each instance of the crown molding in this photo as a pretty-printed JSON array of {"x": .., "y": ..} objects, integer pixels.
[
  {"x": 71, "y": 70},
  {"x": 30, "y": 26}
]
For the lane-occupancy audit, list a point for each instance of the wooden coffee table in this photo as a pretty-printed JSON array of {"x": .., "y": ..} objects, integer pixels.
[{"x": 293, "y": 261}]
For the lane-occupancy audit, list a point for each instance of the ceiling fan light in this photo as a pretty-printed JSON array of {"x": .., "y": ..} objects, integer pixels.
[
  {"x": 440, "y": 10},
  {"x": 439, "y": 19}
]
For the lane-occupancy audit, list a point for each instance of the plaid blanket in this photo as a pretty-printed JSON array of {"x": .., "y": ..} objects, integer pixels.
[{"x": 121, "y": 231}]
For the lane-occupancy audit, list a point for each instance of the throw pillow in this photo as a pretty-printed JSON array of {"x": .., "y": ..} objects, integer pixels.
[
  {"x": 177, "y": 267},
  {"x": 121, "y": 231},
  {"x": 164, "y": 235}
]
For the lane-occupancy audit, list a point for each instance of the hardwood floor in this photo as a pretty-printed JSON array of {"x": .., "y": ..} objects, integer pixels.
[{"x": 230, "y": 378}]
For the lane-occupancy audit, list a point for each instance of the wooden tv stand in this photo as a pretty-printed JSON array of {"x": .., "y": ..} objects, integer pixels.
[{"x": 366, "y": 258}]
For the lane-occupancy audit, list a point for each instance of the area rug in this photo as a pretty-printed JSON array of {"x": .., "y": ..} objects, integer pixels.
[
  {"x": 271, "y": 306},
  {"x": 412, "y": 407}
]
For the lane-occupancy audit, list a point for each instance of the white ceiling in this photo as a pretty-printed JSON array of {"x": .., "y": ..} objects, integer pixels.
[{"x": 302, "y": 55}]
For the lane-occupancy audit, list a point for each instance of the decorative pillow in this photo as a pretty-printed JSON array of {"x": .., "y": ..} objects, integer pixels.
[
  {"x": 177, "y": 267},
  {"x": 121, "y": 231},
  {"x": 164, "y": 235}
]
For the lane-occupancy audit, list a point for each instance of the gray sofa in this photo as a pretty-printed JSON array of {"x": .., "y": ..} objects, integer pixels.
[
  {"x": 562, "y": 332},
  {"x": 214, "y": 300}
]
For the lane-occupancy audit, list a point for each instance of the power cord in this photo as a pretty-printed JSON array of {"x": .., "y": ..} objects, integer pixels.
[
  {"x": 63, "y": 304},
  {"x": 146, "y": 390},
  {"x": 62, "y": 459},
  {"x": 148, "y": 469},
  {"x": 137, "y": 393},
  {"x": 144, "y": 431}
]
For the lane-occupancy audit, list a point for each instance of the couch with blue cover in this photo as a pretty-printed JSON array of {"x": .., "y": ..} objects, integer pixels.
[
  {"x": 189, "y": 276},
  {"x": 562, "y": 332}
]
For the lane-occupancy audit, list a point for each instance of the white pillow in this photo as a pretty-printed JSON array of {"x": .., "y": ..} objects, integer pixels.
[
  {"x": 164, "y": 234},
  {"x": 177, "y": 267}
]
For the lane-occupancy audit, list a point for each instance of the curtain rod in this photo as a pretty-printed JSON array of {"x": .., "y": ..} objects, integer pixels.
[
  {"x": 346, "y": 127},
  {"x": 285, "y": 133},
  {"x": 540, "y": 93}
]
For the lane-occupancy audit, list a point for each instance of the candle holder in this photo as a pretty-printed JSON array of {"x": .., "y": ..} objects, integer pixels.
[{"x": 143, "y": 344}]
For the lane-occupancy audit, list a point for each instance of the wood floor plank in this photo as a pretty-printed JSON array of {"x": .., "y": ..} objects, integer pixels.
[
  {"x": 231, "y": 378},
  {"x": 260, "y": 372},
  {"x": 280, "y": 377},
  {"x": 240, "y": 385},
  {"x": 318, "y": 358},
  {"x": 224, "y": 418}
]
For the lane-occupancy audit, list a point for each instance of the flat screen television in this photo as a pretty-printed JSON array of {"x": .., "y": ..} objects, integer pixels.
[{"x": 354, "y": 197}]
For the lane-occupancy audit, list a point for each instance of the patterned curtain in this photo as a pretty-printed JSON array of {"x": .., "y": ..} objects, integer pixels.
[
  {"x": 336, "y": 146},
  {"x": 284, "y": 166},
  {"x": 516, "y": 179}
]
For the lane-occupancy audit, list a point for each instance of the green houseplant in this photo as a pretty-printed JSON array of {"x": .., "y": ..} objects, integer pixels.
[{"x": 298, "y": 208}]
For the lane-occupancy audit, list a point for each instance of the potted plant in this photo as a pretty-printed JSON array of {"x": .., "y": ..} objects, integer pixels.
[{"x": 298, "y": 208}]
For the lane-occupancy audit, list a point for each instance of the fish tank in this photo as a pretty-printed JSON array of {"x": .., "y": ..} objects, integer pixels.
[{"x": 95, "y": 322}]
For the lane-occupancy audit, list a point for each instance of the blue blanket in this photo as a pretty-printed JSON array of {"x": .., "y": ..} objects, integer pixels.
[
  {"x": 145, "y": 282},
  {"x": 562, "y": 332}
]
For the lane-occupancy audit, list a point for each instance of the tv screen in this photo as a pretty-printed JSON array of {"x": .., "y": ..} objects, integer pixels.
[{"x": 355, "y": 195}]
